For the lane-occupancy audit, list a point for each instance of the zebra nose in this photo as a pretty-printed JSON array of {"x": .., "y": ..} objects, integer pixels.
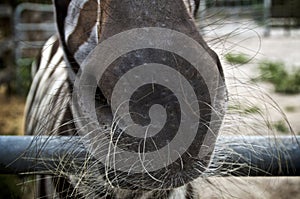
[{"x": 165, "y": 107}]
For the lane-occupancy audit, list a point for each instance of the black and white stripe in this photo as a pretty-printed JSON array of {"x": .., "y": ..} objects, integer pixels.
[
  {"x": 48, "y": 106},
  {"x": 50, "y": 86}
]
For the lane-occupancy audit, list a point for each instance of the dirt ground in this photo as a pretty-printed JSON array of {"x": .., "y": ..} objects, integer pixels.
[
  {"x": 246, "y": 37},
  {"x": 11, "y": 114}
]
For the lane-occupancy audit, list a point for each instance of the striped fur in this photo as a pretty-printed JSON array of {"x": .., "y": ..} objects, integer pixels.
[
  {"x": 48, "y": 108},
  {"x": 52, "y": 71}
]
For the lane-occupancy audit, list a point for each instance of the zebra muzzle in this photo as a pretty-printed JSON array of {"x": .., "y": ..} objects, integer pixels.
[{"x": 164, "y": 105}]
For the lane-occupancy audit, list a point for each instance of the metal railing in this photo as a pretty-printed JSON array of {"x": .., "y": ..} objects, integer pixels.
[
  {"x": 273, "y": 13},
  {"x": 23, "y": 29},
  {"x": 233, "y": 156}
]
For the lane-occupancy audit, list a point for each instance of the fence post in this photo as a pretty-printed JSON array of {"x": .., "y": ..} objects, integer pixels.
[{"x": 267, "y": 16}]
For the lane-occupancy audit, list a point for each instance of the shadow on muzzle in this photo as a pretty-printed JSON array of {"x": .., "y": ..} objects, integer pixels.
[{"x": 163, "y": 107}]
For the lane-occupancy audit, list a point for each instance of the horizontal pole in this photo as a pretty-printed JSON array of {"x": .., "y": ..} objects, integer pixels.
[
  {"x": 36, "y": 26},
  {"x": 256, "y": 156},
  {"x": 38, "y": 154},
  {"x": 233, "y": 156}
]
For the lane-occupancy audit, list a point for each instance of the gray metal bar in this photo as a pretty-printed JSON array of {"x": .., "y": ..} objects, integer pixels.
[
  {"x": 32, "y": 6},
  {"x": 267, "y": 15},
  {"x": 257, "y": 156},
  {"x": 20, "y": 28},
  {"x": 35, "y": 27},
  {"x": 237, "y": 156},
  {"x": 38, "y": 154}
]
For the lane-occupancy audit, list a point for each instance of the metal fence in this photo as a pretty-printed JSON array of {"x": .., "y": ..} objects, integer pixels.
[
  {"x": 233, "y": 156},
  {"x": 33, "y": 25},
  {"x": 271, "y": 13}
]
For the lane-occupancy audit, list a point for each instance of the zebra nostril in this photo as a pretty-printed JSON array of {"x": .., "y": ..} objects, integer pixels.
[
  {"x": 105, "y": 126},
  {"x": 158, "y": 116}
]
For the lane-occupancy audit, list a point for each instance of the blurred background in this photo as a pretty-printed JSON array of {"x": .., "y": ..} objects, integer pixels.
[{"x": 258, "y": 42}]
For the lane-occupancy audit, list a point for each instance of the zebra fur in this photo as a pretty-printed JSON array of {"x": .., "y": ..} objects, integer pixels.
[{"x": 48, "y": 105}]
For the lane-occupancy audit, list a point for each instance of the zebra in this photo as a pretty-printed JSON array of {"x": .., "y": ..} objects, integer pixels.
[{"x": 81, "y": 26}]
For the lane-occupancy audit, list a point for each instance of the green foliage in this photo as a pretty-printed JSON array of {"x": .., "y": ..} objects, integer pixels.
[
  {"x": 275, "y": 73},
  {"x": 290, "y": 108},
  {"x": 245, "y": 110},
  {"x": 9, "y": 188},
  {"x": 281, "y": 126},
  {"x": 16, "y": 187},
  {"x": 236, "y": 58},
  {"x": 24, "y": 75},
  {"x": 272, "y": 72},
  {"x": 252, "y": 110}
]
